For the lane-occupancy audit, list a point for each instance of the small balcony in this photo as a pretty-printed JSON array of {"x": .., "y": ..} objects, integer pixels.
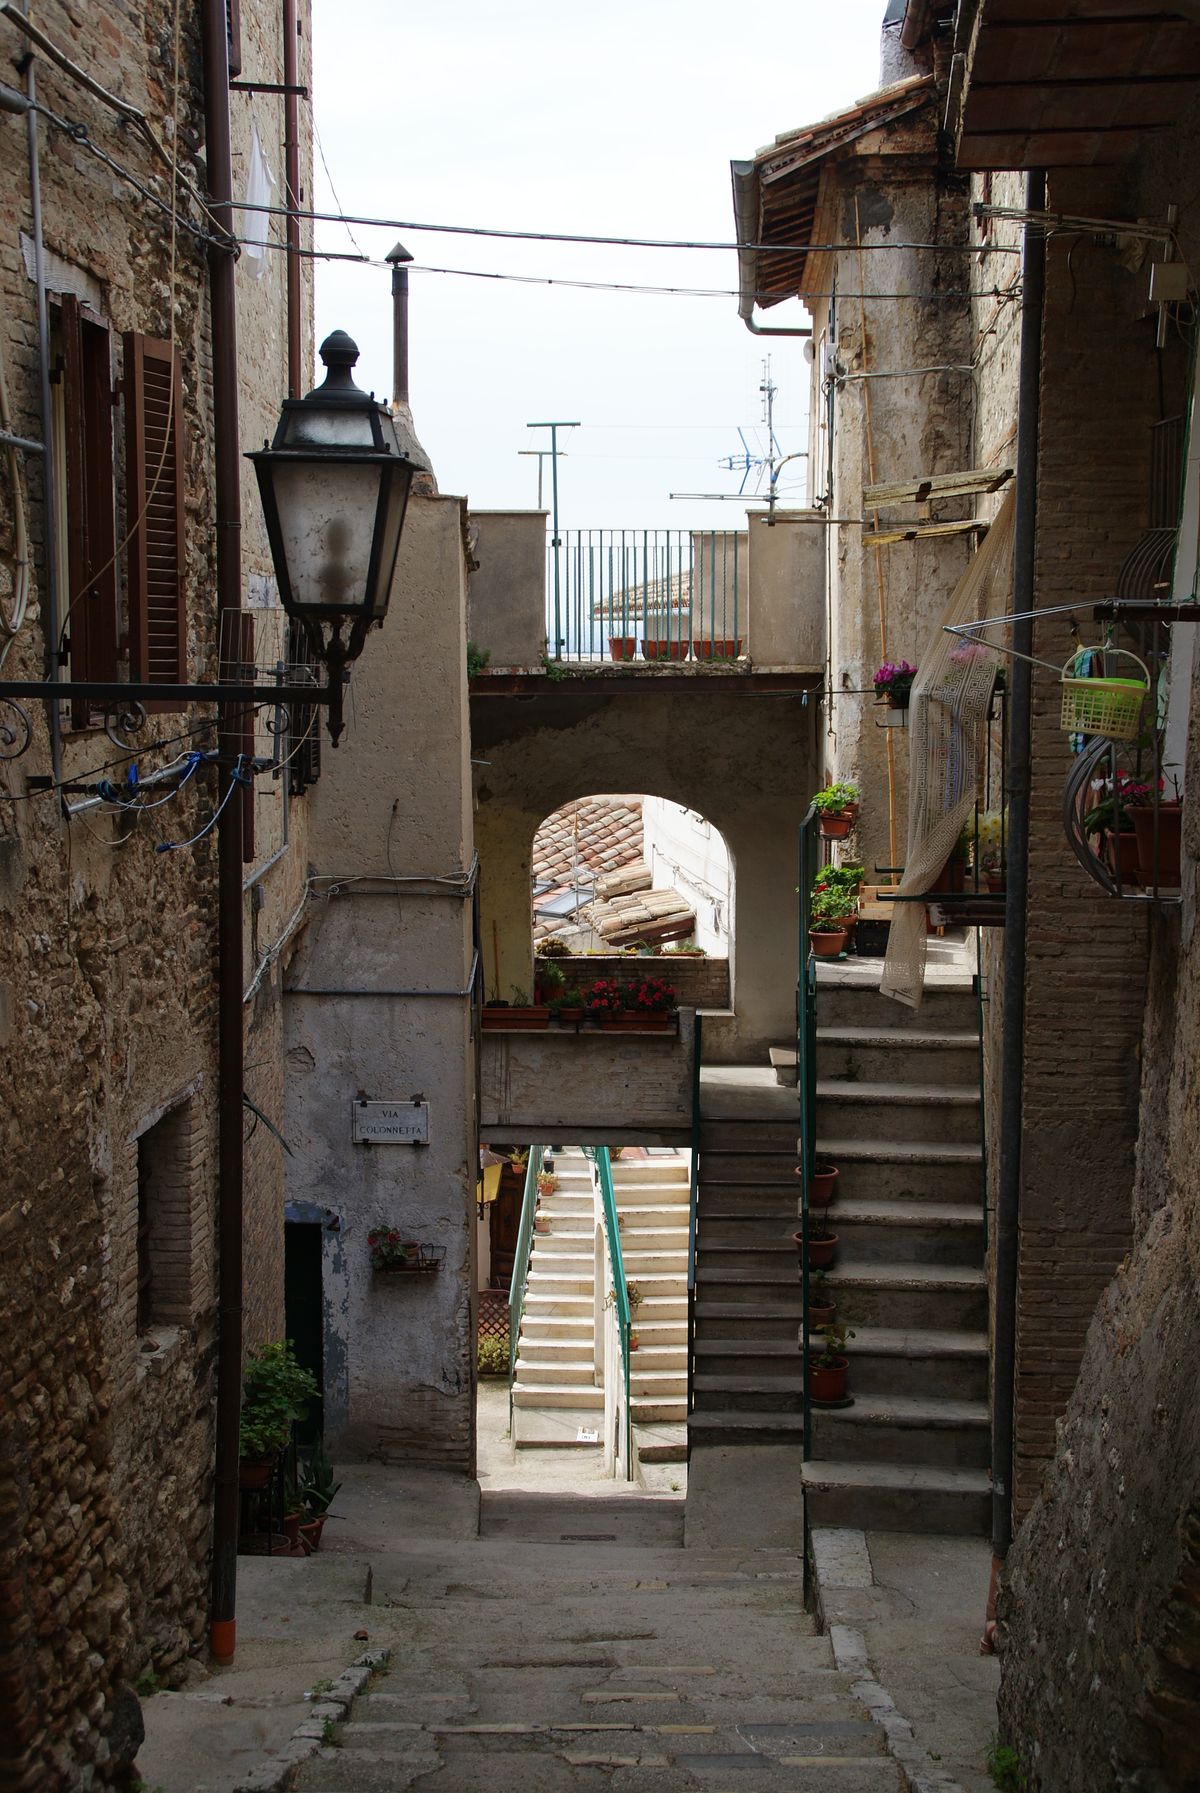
[{"x": 647, "y": 602}]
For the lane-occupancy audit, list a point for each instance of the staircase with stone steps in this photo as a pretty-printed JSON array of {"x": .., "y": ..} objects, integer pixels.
[
  {"x": 653, "y": 1197},
  {"x": 898, "y": 1112},
  {"x": 746, "y": 1377}
]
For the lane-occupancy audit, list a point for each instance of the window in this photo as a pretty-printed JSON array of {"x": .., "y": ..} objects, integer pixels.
[
  {"x": 154, "y": 472},
  {"x": 165, "y": 1200},
  {"x": 89, "y": 604}
]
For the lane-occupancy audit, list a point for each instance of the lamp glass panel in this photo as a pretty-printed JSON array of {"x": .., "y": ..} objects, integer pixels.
[
  {"x": 326, "y": 522},
  {"x": 316, "y": 426},
  {"x": 393, "y": 499}
]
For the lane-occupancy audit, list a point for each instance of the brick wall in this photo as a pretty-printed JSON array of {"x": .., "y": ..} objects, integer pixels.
[{"x": 698, "y": 983}]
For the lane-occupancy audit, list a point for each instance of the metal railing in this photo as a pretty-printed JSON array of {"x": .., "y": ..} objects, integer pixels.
[
  {"x": 520, "y": 1274},
  {"x": 653, "y": 594},
  {"x": 602, "y": 1171},
  {"x": 806, "y": 1082},
  {"x": 693, "y": 1212}
]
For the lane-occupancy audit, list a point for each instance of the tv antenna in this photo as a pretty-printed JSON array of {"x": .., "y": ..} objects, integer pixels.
[{"x": 774, "y": 460}]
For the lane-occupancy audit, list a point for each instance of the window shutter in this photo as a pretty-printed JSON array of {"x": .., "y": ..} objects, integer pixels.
[
  {"x": 154, "y": 466},
  {"x": 304, "y": 720},
  {"x": 90, "y": 610}
]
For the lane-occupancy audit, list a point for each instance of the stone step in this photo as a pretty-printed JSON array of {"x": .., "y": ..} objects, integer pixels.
[
  {"x": 907, "y": 1497},
  {"x": 749, "y": 1357},
  {"x": 748, "y": 1394},
  {"x": 575, "y": 1331},
  {"x": 556, "y": 1428},
  {"x": 660, "y": 1443},
  {"x": 666, "y": 1194},
  {"x": 903, "y": 1232},
  {"x": 541, "y": 1393},
  {"x": 776, "y": 1285},
  {"x": 747, "y": 1227},
  {"x": 673, "y": 1215},
  {"x": 563, "y": 1249},
  {"x": 655, "y": 1385},
  {"x": 861, "y": 1005},
  {"x": 879, "y": 1167},
  {"x": 734, "y": 1426},
  {"x": 665, "y": 1307},
  {"x": 889, "y": 1054},
  {"x": 768, "y": 1135},
  {"x": 893, "y": 1361},
  {"x": 750, "y": 1165},
  {"x": 659, "y": 1261},
  {"x": 909, "y": 1296},
  {"x": 648, "y": 1170},
  {"x": 903, "y": 1428},
  {"x": 750, "y": 1320},
  {"x": 555, "y": 1286},
  {"x": 544, "y": 1303},
  {"x": 761, "y": 1254},
  {"x": 944, "y": 1114},
  {"x": 536, "y": 1365},
  {"x": 636, "y": 1240}
]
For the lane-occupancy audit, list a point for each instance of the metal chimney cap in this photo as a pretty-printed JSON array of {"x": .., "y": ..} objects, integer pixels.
[{"x": 398, "y": 253}]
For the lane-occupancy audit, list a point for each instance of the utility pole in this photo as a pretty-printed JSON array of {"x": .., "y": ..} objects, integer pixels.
[
  {"x": 554, "y": 538},
  {"x": 542, "y": 455}
]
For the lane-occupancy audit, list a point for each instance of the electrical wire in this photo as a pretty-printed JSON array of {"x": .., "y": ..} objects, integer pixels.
[{"x": 237, "y": 777}]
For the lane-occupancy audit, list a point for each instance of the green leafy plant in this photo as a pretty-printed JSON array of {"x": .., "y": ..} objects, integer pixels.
[
  {"x": 552, "y": 980},
  {"x": 1004, "y": 1766},
  {"x": 839, "y": 877},
  {"x": 275, "y": 1391},
  {"x": 835, "y": 799},
  {"x": 683, "y": 949},
  {"x": 491, "y": 1357},
  {"x": 390, "y": 1247},
  {"x": 477, "y": 659},
  {"x": 317, "y": 1486},
  {"x": 147, "y": 1684},
  {"x": 570, "y": 999},
  {"x": 331, "y": 1735},
  {"x": 834, "y": 1347},
  {"x": 829, "y": 909}
]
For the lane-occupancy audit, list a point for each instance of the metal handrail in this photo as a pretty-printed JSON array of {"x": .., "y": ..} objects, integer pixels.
[
  {"x": 520, "y": 1275},
  {"x": 676, "y": 592},
  {"x": 806, "y": 1083},
  {"x": 693, "y": 1210},
  {"x": 602, "y": 1167}
]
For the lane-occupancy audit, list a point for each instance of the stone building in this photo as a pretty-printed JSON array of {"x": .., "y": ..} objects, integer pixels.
[
  {"x": 1063, "y": 154},
  {"x": 108, "y": 954}
]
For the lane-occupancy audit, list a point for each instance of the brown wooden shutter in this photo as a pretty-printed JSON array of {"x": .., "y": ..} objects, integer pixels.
[
  {"x": 154, "y": 472},
  {"x": 90, "y": 612}
]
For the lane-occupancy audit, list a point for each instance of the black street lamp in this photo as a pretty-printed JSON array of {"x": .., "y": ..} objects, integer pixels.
[{"x": 334, "y": 486}]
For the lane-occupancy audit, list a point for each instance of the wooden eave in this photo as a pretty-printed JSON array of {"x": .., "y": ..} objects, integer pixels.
[
  {"x": 1072, "y": 83},
  {"x": 937, "y": 485}
]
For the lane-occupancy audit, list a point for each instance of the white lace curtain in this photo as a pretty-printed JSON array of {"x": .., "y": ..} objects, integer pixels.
[{"x": 948, "y": 712}]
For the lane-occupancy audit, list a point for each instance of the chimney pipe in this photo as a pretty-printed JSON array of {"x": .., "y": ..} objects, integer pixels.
[{"x": 399, "y": 258}]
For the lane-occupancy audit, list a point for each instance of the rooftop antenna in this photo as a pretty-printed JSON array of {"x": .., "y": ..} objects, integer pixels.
[{"x": 774, "y": 459}]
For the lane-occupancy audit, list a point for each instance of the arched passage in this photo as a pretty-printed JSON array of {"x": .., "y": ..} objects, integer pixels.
[{"x": 744, "y": 764}]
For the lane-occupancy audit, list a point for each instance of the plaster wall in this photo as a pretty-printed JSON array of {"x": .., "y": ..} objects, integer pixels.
[
  {"x": 685, "y": 851},
  {"x": 911, "y": 417},
  {"x": 744, "y": 763},
  {"x": 391, "y": 881},
  {"x": 506, "y": 591},
  {"x": 787, "y": 589},
  {"x": 595, "y": 1088}
]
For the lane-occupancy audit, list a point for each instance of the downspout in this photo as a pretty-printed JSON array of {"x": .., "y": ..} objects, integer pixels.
[
  {"x": 745, "y": 217},
  {"x": 230, "y": 1046},
  {"x": 1008, "y": 1197},
  {"x": 292, "y": 198}
]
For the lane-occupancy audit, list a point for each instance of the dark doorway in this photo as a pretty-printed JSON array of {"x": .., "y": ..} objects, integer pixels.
[{"x": 303, "y": 1309}]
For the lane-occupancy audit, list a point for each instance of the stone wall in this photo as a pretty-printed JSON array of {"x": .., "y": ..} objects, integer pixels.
[
  {"x": 108, "y": 1074},
  {"x": 699, "y": 983},
  {"x": 1101, "y": 1645}
]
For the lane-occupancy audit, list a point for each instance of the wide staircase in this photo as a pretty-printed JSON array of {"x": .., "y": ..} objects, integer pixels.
[
  {"x": 746, "y": 1382},
  {"x": 556, "y": 1396},
  {"x": 898, "y": 1112}
]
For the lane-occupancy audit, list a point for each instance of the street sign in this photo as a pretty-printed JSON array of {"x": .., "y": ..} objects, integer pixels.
[{"x": 390, "y": 1123}]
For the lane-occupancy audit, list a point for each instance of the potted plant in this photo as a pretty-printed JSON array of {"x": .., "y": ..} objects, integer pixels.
[
  {"x": 554, "y": 948},
  {"x": 568, "y": 1010},
  {"x": 1110, "y": 821},
  {"x": 837, "y": 808},
  {"x": 317, "y": 1491},
  {"x": 390, "y": 1250},
  {"x": 491, "y": 1356},
  {"x": 604, "y": 1000},
  {"x": 726, "y": 649},
  {"x": 1158, "y": 844},
  {"x": 893, "y": 683},
  {"x": 828, "y": 917},
  {"x": 822, "y": 1185},
  {"x": 622, "y": 647},
  {"x": 275, "y": 1391},
  {"x": 634, "y": 1296},
  {"x": 822, "y": 1306},
  {"x": 547, "y": 1182},
  {"x": 827, "y": 1368},
  {"x": 550, "y": 981},
  {"x": 652, "y": 1002},
  {"x": 518, "y": 1015},
  {"x": 822, "y": 1244}
]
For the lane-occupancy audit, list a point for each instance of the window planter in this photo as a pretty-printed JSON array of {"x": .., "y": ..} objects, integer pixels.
[
  {"x": 717, "y": 650},
  {"x": 531, "y": 1019},
  {"x": 664, "y": 650}
]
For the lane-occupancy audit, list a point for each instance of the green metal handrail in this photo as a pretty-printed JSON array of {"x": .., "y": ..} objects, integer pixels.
[
  {"x": 693, "y": 1207},
  {"x": 520, "y": 1275},
  {"x": 681, "y": 587},
  {"x": 806, "y": 1082},
  {"x": 599, "y": 1156}
]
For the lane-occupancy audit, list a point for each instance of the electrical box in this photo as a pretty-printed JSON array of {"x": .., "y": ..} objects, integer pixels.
[{"x": 1168, "y": 283}]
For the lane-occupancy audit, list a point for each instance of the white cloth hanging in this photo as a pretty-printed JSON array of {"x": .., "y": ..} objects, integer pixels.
[{"x": 256, "y": 227}]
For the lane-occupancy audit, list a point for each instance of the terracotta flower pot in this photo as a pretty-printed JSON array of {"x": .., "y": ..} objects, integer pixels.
[
  {"x": 827, "y": 944},
  {"x": 664, "y": 650},
  {"x": 622, "y": 647},
  {"x": 820, "y": 1251},
  {"x": 1163, "y": 869},
  {"x": 836, "y": 825},
  {"x": 822, "y": 1185},
  {"x": 828, "y": 1384},
  {"x": 1121, "y": 855},
  {"x": 717, "y": 650},
  {"x": 821, "y": 1314},
  {"x": 255, "y": 1472},
  {"x": 951, "y": 877},
  {"x": 310, "y": 1531}
]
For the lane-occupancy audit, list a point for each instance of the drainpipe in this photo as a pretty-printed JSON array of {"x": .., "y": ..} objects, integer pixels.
[
  {"x": 230, "y": 1048},
  {"x": 1008, "y": 1199},
  {"x": 292, "y": 198},
  {"x": 745, "y": 214}
]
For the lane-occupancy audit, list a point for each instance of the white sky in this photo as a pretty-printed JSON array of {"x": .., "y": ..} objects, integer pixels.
[{"x": 614, "y": 120}]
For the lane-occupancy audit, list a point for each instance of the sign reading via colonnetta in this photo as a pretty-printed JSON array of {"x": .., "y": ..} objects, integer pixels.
[{"x": 390, "y": 1123}]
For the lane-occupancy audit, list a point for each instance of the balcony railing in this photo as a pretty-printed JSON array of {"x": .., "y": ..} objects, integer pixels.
[{"x": 649, "y": 594}]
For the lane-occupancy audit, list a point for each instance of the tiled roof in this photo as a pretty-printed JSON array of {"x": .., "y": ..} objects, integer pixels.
[{"x": 577, "y": 845}]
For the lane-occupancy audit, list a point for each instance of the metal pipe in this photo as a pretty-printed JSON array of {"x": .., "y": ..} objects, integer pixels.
[
  {"x": 400, "y": 258},
  {"x": 291, "y": 184},
  {"x": 230, "y": 1040},
  {"x": 776, "y": 329},
  {"x": 8, "y": 440},
  {"x": 1008, "y": 1196},
  {"x": 52, "y": 659}
]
